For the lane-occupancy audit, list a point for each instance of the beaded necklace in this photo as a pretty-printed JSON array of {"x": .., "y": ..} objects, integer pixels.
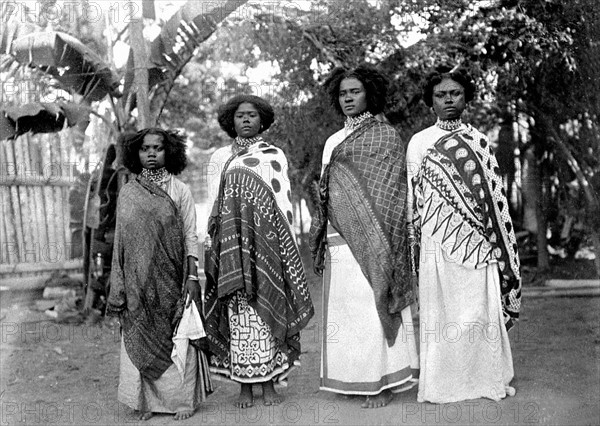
[
  {"x": 352, "y": 123},
  {"x": 156, "y": 176},
  {"x": 449, "y": 124},
  {"x": 240, "y": 143}
]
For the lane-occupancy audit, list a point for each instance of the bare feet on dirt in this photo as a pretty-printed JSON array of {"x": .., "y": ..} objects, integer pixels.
[
  {"x": 183, "y": 414},
  {"x": 270, "y": 397},
  {"x": 144, "y": 415},
  {"x": 378, "y": 401},
  {"x": 246, "y": 399}
]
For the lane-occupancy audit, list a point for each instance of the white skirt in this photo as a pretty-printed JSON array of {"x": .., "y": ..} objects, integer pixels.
[
  {"x": 465, "y": 350},
  {"x": 355, "y": 357},
  {"x": 169, "y": 393}
]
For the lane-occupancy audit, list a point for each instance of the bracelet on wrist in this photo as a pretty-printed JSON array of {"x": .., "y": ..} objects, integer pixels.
[{"x": 193, "y": 277}]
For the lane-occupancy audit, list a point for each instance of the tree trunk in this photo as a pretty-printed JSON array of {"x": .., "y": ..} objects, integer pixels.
[
  {"x": 140, "y": 79},
  {"x": 505, "y": 155},
  {"x": 529, "y": 179},
  {"x": 538, "y": 177},
  {"x": 543, "y": 262}
]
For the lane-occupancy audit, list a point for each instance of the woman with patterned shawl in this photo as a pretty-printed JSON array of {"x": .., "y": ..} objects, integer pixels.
[
  {"x": 464, "y": 249},
  {"x": 359, "y": 241},
  {"x": 257, "y": 298},
  {"x": 155, "y": 249}
]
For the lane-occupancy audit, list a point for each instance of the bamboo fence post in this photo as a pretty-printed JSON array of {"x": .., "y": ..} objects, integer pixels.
[
  {"x": 6, "y": 248},
  {"x": 14, "y": 203},
  {"x": 41, "y": 192},
  {"x": 27, "y": 197},
  {"x": 64, "y": 212},
  {"x": 48, "y": 192},
  {"x": 59, "y": 242},
  {"x": 8, "y": 218},
  {"x": 34, "y": 190}
]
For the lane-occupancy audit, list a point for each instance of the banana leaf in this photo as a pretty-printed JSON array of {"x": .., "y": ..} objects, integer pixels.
[
  {"x": 40, "y": 117},
  {"x": 11, "y": 30},
  {"x": 191, "y": 25},
  {"x": 76, "y": 67}
]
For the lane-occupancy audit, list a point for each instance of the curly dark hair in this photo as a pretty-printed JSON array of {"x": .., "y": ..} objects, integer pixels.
[
  {"x": 173, "y": 141},
  {"x": 374, "y": 82},
  {"x": 460, "y": 75},
  {"x": 227, "y": 111}
]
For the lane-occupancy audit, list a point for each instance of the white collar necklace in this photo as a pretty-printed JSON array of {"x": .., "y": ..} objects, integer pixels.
[
  {"x": 352, "y": 123},
  {"x": 449, "y": 124},
  {"x": 156, "y": 176}
]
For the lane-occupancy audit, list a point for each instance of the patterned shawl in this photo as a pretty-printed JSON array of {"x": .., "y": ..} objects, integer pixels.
[
  {"x": 147, "y": 274},
  {"x": 253, "y": 249},
  {"x": 363, "y": 193},
  {"x": 462, "y": 170}
]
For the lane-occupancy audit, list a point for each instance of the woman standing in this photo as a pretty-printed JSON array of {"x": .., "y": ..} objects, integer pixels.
[
  {"x": 359, "y": 240},
  {"x": 257, "y": 297},
  {"x": 468, "y": 266},
  {"x": 153, "y": 271}
]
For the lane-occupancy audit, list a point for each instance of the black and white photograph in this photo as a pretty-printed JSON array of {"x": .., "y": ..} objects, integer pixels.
[{"x": 304, "y": 212}]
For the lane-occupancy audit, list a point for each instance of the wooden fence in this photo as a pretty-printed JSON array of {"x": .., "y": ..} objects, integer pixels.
[{"x": 36, "y": 174}]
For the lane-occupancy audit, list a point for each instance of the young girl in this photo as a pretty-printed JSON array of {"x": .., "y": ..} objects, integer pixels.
[{"x": 153, "y": 272}]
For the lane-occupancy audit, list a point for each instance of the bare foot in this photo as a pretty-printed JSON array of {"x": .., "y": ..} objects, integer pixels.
[
  {"x": 183, "y": 414},
  {"x": 378, "y": 401},
  {"x": 510, "y": 391},
  {"x": 144, "y": 415},
  {"x": 246, "y": 399},
  {"x": 270, "y": 397}
]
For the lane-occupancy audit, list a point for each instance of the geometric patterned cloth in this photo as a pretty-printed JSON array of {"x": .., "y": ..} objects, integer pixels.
[
  {"x": 469, "y": 206},
  {"x": 254, "y": 257},
  {"x": 254, "y": 354},
  {"x": 363, "y": 196}
]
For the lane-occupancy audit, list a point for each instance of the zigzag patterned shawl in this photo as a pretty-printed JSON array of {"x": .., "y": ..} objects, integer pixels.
[
  {"x": 469, "y": 206},
  {"x": 147, "y": 274},
  {"x": 253, "y": 250},
  {"x": 363, "y": 195}
]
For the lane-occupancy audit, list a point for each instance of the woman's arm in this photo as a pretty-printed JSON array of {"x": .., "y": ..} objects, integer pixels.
[
  {"x": 413, "y": 162},
  {"x": 188, "y": 214},
  {"x": 214, "y": 169}
]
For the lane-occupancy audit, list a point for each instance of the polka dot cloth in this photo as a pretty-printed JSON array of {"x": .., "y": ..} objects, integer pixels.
[{"x": 270, "y": 163}]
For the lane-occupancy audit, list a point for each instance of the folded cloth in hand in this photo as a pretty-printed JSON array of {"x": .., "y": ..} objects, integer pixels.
[{"x": 190, "y": 327}]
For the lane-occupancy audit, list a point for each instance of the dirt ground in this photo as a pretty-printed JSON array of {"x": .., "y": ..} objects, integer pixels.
[{"x": 67, "y": 374}]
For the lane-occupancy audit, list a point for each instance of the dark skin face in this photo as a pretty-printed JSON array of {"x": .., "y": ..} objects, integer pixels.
[
  {"x": 246, "y": 120},
  {"x": 449, "y": 99},
  {"x": 352, "y": 97},
  {"x": 152, "y": 152}
]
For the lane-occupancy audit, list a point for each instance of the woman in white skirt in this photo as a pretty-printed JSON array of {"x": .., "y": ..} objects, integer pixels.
[
  {"x": 359, "y": 244},
  {"x": 464, "y": 249}
]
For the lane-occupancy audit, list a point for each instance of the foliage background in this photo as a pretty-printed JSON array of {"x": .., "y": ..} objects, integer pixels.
[{"x": 535, "y": 62}]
